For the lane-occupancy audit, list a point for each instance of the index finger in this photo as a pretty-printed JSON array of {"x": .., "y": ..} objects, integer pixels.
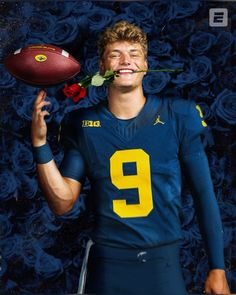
[{"x": 41, "y": 96}]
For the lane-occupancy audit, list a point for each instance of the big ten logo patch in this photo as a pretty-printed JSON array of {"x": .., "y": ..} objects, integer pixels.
[
  {"x": 90, "y": 123},
  {"x": 218, "y": 17}
]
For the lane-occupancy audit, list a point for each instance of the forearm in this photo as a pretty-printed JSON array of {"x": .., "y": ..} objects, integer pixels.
[
  {"x": 56, "y": 189},
  {"x": 60, "y": 192}
]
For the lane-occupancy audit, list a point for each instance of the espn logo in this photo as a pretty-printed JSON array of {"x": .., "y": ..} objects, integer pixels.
[
  {"x": 89, "y": 123},
  {"x": 218, "y": 17}
]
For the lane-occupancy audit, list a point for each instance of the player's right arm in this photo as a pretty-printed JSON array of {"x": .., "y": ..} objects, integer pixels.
[{"x": 60, "y": 192}]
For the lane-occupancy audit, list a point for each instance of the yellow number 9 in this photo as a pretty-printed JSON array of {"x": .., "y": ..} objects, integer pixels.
[{"x": 141, "y": 181}]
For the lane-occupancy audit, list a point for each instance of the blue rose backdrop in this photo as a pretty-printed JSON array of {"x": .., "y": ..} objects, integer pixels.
[{"x": 42, "y": 253}]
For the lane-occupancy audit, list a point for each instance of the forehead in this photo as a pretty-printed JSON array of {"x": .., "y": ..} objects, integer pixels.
[{"x": 123, "y": 46}]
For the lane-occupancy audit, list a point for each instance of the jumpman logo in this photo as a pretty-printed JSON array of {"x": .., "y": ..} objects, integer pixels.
[{"x": 158, "y": 121}]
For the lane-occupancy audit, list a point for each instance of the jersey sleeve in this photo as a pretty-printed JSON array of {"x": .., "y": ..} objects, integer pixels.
[
  {"x": 197, "y": 173},
  {"x": 196, "y": 170},
  {"x": 190, "y": 126},
  {"x": 73, "y": 164}
]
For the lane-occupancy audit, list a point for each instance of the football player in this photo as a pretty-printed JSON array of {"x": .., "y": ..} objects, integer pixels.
[{"x": 132, "y": 147}]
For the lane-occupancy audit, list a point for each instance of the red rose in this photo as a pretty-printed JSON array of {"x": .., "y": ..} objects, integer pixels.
[{"x": 75, "y": 91}]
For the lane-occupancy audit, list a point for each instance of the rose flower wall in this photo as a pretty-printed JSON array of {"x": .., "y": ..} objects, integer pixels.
[{"x": 42, "y": 253}]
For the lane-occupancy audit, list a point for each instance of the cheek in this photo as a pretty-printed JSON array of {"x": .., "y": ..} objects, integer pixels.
[
  {"x": 141, "y": 64},
  {"x": 106, "y": 64},
  {"x": 112, "y": 63}
]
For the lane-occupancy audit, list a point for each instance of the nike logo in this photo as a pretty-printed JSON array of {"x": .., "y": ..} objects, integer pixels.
[{"x": 158, "y": 121}]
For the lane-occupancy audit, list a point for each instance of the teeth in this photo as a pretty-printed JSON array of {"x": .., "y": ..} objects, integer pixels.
[{"x": 125, "y": 71}]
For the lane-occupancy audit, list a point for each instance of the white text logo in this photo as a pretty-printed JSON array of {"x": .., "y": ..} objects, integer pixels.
[{"x": 218, "y": 17}]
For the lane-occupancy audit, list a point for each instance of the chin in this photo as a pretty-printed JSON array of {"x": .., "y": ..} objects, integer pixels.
[{"x": 124, "y": 83}]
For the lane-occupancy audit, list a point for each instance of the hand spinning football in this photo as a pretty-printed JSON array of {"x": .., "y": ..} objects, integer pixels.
[{"x": 42, "y": 65}]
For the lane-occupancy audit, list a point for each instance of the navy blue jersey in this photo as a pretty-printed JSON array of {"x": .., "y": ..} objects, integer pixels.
[{"x": 134, "y": 167}]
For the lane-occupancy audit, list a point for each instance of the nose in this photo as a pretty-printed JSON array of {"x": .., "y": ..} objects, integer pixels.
[{"x": 125, "y": 59}]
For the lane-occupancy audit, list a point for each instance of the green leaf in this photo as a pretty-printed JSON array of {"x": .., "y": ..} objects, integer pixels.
[
  {"x": 86, "y": 81},
  {"x": 97, "y": 80},
  {"x": 108, "y": 74}
]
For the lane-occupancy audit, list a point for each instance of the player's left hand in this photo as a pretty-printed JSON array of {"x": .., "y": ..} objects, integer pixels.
[{"x": 216, "y": 282}]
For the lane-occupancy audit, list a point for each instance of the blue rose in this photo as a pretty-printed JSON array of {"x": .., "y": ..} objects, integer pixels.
[
  {"x": 192, "y": 234},
  {"x": 64, "y": 31},
  {"x": 68, "y": 106},
  {"x": 186, "y": 256},
  {"x": 8, "y": 185},
  {"x": 11, "y": 125},
  {"x": 163, "y": 13},
  {"x": 223, "y": 42},
  {"x": 220, "y": 52},
  {"x": 159, "y": 48},
  {"x": 82, "y": 7},
  {"x": 177, "y": 32},
  {"x": 154, "y": 82},
  {"x": 10, "y": 286},
  {"x": 39, "y": 25},
  {"x": 184, "y": 8},
  {"x": 217, "y": 168},
  {"x": 26, "y": 9},
  {"x": 200, "y": 43},
  {"x": 61, "y": 9},
  {"x": 91, "y": 65},
  {"x": 71, "y": 279},
  {"x": 41, "y": 223},
  {"x": 187, "y": 215},
  {"x": 6, "y": 226},
  {"x": 10, "y": 247},
  {"x": 99, "y": 18},
  {"x": 152, "y": 62},
  {"x": 4, "y": 156},
  {"x": 229, "y": 232},
  {"x": 28, "y": 185},
  {"x": 22, "y": 158},
  {"x": 141, "y": 14},
  {"x": 47, "y": 266},
  {"x": 23, "y": 105},
  {"x": 227, "y": 77},
  {"x": 224, "y": 107},
  {"x": 201, "y": 269},
  {"x": 123, "y": 16},
  {"x": 199, "y": 91},
  {"x": 227, "y": 210},
  {"x": 95, "y": 95},
  {"x": 28, "y": 250},
  {"x": 6, "y": 42},
  {"x": 77, "y": 260},
  {"x": 174, "y": 62},
  {"x": 7, "y": 80},
  {"x": 200, "y": 69},
  {"x": 187, "y": 274}
]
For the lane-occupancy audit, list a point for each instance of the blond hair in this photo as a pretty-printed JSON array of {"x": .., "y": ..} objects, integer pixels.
[{"x": 122, "y": 31}]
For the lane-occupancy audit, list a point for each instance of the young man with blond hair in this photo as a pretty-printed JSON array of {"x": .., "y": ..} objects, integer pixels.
[{"x": 132, "y": 160}]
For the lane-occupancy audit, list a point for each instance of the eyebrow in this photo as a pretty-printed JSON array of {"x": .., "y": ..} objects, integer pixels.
[{"x": 131, "y": 50}]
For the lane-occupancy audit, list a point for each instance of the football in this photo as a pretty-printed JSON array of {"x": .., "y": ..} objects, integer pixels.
[{"x": 42, "y": 65}]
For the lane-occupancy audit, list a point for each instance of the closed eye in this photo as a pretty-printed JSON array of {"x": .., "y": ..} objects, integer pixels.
[{"x": 114, "y": 55}]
